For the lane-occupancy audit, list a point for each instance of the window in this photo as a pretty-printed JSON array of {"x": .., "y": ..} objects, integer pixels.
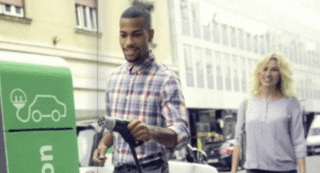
[
  {"x": 280, "y": 48},
  {"x": 298, "y": 55},
  {"x": 216, "y": 22},
  {"x": 290, "y": 53},
  {"x": 318, "y": 56},
  {"x": 314, "y": 87},
  {"x": 268, "y": 40},
  {"x": 248, "y": 41},
  {"x": 262, "y": 45},
  {"x": 246, "y": 25},
  {"x": 225, "y": 35},
  {"x": 184, "y": 17},
  {"x": 86, "y": 12},
  {"x": 231, "y": 23},
  {"x": 209, "y": 68},
  {"x": 240, "y": 38},
  {"x": 255, "y": 44},
  {"x": 314, "y": 59},
  {"x": 250, "y": 65},
  {"x": 301, "y": 87},
  {"x": 227, "y": 72},
  {"x": 315, "y": 131},
  {"x": 206, "y": 32},
  {"x": 195, "y": 19},
  {"x": 294, "y": 51},
  {"x": 12, "y": 7},
  {"x": 309, "y": 87},
  {"x": 309, "y": 58},
  {"x": 302, "y": 52},
  {"x": 243, "y": 75},
  {"x": 199, "y": 65},
  {"x": 318, "y": 83},
  {"x": 273, "y": 42},
  {"x": 215, "y": 30},
  {"x": 188, "y": 65},
  {"x": 286, "y": 52},
  {"x": 219, "y": 70},
  {"x": 184, "y": 9},
  {"x": 262, "y": 30},
  {"x": 240, "y": 25},
  {"x": 233, "y": 36},
  {"x": 235, "y": 73}
]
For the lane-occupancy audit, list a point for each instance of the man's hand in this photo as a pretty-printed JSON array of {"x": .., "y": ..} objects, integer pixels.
[
  {"x": 139, "y": 130},
  {"x": 99, "y": 155},
  {"x": 142, "y": 132}
]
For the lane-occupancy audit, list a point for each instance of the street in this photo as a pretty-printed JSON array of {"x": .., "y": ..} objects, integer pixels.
[{"x": 312, "y": 163}]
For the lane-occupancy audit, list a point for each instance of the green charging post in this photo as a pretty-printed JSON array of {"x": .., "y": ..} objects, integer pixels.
[{"x": 37, "y": 117}]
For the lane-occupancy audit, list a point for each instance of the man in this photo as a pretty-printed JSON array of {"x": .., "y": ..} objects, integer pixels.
[{"x": 146, "y": 93}]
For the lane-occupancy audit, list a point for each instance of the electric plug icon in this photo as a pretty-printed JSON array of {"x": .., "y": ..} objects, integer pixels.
[{"x": 18, "y": 98}]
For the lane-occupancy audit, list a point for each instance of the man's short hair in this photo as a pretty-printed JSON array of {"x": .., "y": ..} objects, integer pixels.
[{"x": 138, "y": 11}]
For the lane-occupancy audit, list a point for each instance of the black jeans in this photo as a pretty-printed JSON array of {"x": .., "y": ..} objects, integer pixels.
[
  {"x": 265, "y": 171},
  {"x": 159, "y": 166}
]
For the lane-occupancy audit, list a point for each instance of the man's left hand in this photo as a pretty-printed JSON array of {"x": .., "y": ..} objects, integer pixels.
[{"x": 139, "y": 130}]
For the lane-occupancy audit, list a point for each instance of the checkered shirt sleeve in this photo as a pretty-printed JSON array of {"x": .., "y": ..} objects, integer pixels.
[{"x": 174, "y": 110}]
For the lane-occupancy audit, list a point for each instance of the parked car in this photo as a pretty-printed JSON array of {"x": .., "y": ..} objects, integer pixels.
[
  {"x": 313, "y": 138},
  {"x": 195, "y": 155},
  {"x": 226, "y": 153},
  {"x": 212, "y": 151}
]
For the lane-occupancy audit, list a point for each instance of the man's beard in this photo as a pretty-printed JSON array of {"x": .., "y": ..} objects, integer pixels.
[{"x": 136, "y": 59}]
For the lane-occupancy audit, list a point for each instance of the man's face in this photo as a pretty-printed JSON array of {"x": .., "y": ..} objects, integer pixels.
[{"x": 134, "y": 39}]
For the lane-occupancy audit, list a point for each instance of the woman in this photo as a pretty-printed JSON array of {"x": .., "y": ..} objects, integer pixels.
[{"x": 275, "y": 140}]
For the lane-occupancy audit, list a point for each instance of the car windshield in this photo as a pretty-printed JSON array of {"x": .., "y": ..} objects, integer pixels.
[
  {"x": 314, "y": 131},
  {"x": 226, "y": 145}
]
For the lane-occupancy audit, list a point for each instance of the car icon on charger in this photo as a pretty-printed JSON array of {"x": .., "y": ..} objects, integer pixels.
[{"x": 47, "y": 106}]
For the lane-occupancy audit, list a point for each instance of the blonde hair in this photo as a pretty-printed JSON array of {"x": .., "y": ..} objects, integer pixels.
[{"x": 285, "y": 84}]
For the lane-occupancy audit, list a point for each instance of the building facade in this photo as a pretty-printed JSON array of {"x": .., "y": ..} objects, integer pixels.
[
  {"x": 83, "y": 32},
  {"x": 217, "y": 44},
  {"x": 212, "y": 45}
]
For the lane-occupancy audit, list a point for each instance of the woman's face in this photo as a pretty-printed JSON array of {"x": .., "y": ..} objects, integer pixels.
[{"x": 270, "y": 75}]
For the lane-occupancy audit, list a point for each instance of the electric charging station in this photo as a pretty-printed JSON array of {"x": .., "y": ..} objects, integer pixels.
[{"x": 37, "y": 116}]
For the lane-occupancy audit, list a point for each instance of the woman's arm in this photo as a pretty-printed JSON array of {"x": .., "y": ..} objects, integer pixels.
[
  {"x": 297, "y": 136},
  {"x": 239, "y": 129},
  {"x": 235, "y": 159},
  {"x": 301, "y": 165}
]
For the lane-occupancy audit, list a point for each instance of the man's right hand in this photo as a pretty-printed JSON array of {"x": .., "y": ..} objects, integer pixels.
[{"x": 99, "y": 155}]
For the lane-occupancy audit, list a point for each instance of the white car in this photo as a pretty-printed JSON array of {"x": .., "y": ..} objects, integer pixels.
[
  {"x": 89, "y": 135},
  {"x": 313, "y": 138}
]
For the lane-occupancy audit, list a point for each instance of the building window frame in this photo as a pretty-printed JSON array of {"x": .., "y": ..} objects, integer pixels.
[
  {"x": 209, "y": 69},
  {"x": 185, "y": 20},
  {"x": 86, "y": 17},
  {"x": 1, "y": 8},
  {"x": 13, "y": 10},
  {"x": 199, "y": 67}
]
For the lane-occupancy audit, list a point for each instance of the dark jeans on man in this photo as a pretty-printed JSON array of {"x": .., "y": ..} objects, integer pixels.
[
  {"x": 158, "y": 166},
  {"x": 266, "y": 171}
]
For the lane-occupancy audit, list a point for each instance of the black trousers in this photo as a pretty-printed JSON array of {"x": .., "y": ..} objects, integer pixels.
[
  {"x": 158, "y": 166},
  {"x": 266, "y": 171}
]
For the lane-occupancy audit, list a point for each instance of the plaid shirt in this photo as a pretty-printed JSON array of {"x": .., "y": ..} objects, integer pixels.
[{"x": 151, "y": 93}]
